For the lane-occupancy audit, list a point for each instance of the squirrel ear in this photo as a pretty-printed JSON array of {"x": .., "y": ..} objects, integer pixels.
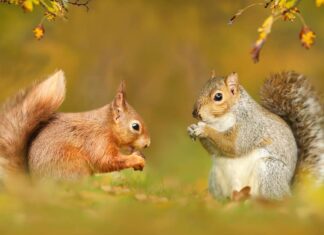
[
  {"x": 119, "y": 102},
  {"x": 120, "y": 97},
  {"x": 213, "y": 73},
  {"x": 232, "y": 83},
  {"x": 122, "y": 87}
]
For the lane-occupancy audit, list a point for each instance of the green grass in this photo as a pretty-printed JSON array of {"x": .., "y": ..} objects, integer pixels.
[
  {"x": 165, "y": 51},
  {"x": 169, "y": 197},
  {"x": 131, "y": 202}
]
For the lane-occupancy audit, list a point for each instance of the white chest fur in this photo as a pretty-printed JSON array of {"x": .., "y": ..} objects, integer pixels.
[
  {"x": 228, "y": 174},
  {"x": 223, "y": 123}
]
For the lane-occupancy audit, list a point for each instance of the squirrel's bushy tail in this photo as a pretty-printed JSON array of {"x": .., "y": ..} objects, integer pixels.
[
  {"x": 291, "y": 96},
  {"x": 21, "y": 115}
]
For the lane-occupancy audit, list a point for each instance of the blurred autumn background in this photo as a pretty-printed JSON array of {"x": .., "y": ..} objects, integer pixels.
[{"x": 165, "y": 51}]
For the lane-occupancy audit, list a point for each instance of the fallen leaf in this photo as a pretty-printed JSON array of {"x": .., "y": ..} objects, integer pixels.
[
  {"x": 150, "y": 198},
  {"x": 242, "y": 195},
  {"x": 141, "y": 197},
  {"x": 115, "y": 190}
]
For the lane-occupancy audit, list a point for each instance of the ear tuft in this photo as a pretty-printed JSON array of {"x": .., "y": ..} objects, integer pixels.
[
  {"x": 122, "y": 87},
  {"x": 232, "y": 82},
  {"x": 213, "y": 73},
  {"x": 119, "y": 102}
]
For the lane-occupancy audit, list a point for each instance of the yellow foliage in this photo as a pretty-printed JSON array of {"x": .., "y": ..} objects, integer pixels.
[
  {"x": 286, "y": 10},
  {"x": 290, "y": 15},
  {"x": 307, "y": 37},
  {"x": 39, "y": 32},
  {"x": 15, "y": 2},
  {"x": 265, "y": 29},
  {"x": 319, "y": 3},
  {"x": 52, "y": 9},
  {"x": 286, "y": 4},
  {"x": 28, "y": 5},
  {"x": 49, "y": 16}
]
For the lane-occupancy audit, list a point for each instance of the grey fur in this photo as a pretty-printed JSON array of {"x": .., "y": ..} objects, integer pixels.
[
  {"x": 257, "y": 128},
  {"x": 291, "y": 96},
  {"x": 256, "y": 124}
]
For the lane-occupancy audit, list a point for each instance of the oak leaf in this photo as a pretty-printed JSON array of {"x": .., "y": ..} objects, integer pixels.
[
  {"x": 307, "y": 37},
  {"x": 39, "y": 32}
]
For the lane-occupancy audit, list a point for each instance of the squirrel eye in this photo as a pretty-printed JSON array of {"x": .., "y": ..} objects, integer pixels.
[
  {"x": 135, "y": 126},
  {"x": 218, "y": 96}
]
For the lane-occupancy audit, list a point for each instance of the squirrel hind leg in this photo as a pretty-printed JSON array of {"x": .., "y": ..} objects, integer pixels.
[{"x": 271, "y": 179}]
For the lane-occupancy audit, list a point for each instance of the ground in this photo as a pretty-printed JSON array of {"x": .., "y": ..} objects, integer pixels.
[{"x": 132, "y": 202}]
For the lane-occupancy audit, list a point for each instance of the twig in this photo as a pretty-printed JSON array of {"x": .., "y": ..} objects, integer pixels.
[
  {"x": 240, "y": 12},
  {"x": 301, "y": 18},
  {"x": 79, "y": 3}
]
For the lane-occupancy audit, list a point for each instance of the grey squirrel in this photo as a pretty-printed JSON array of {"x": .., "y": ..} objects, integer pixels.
[
  {"x": 35, "y": 139},
  {"x": 260, "y": 148}
]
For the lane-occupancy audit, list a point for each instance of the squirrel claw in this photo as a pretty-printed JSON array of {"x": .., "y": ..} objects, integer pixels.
[
  {"x": 191, "y": 131},
  {"x": 196, "y": 130},
  {"x": 139, "y": 168},
  {"x": 140, "y": 162}
]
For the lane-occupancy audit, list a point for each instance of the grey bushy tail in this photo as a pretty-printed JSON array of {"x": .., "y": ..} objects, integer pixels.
[
  {"x": 21, "y": 115},
  {"x": 291, "y": 96}
]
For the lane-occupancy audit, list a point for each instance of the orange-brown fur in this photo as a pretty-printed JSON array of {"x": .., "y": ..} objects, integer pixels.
[{"x": 71, "y": 145}]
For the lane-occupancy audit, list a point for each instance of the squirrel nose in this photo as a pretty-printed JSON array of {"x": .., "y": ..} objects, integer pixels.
[
  {"x": 147, "y": 144},
  {"x": 196, "y": 114}
]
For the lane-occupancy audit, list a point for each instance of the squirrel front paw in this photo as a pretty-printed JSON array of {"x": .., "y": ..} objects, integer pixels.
[
  {"x": 197, "y": 130},
  {"x": 138, "y": 162}
]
